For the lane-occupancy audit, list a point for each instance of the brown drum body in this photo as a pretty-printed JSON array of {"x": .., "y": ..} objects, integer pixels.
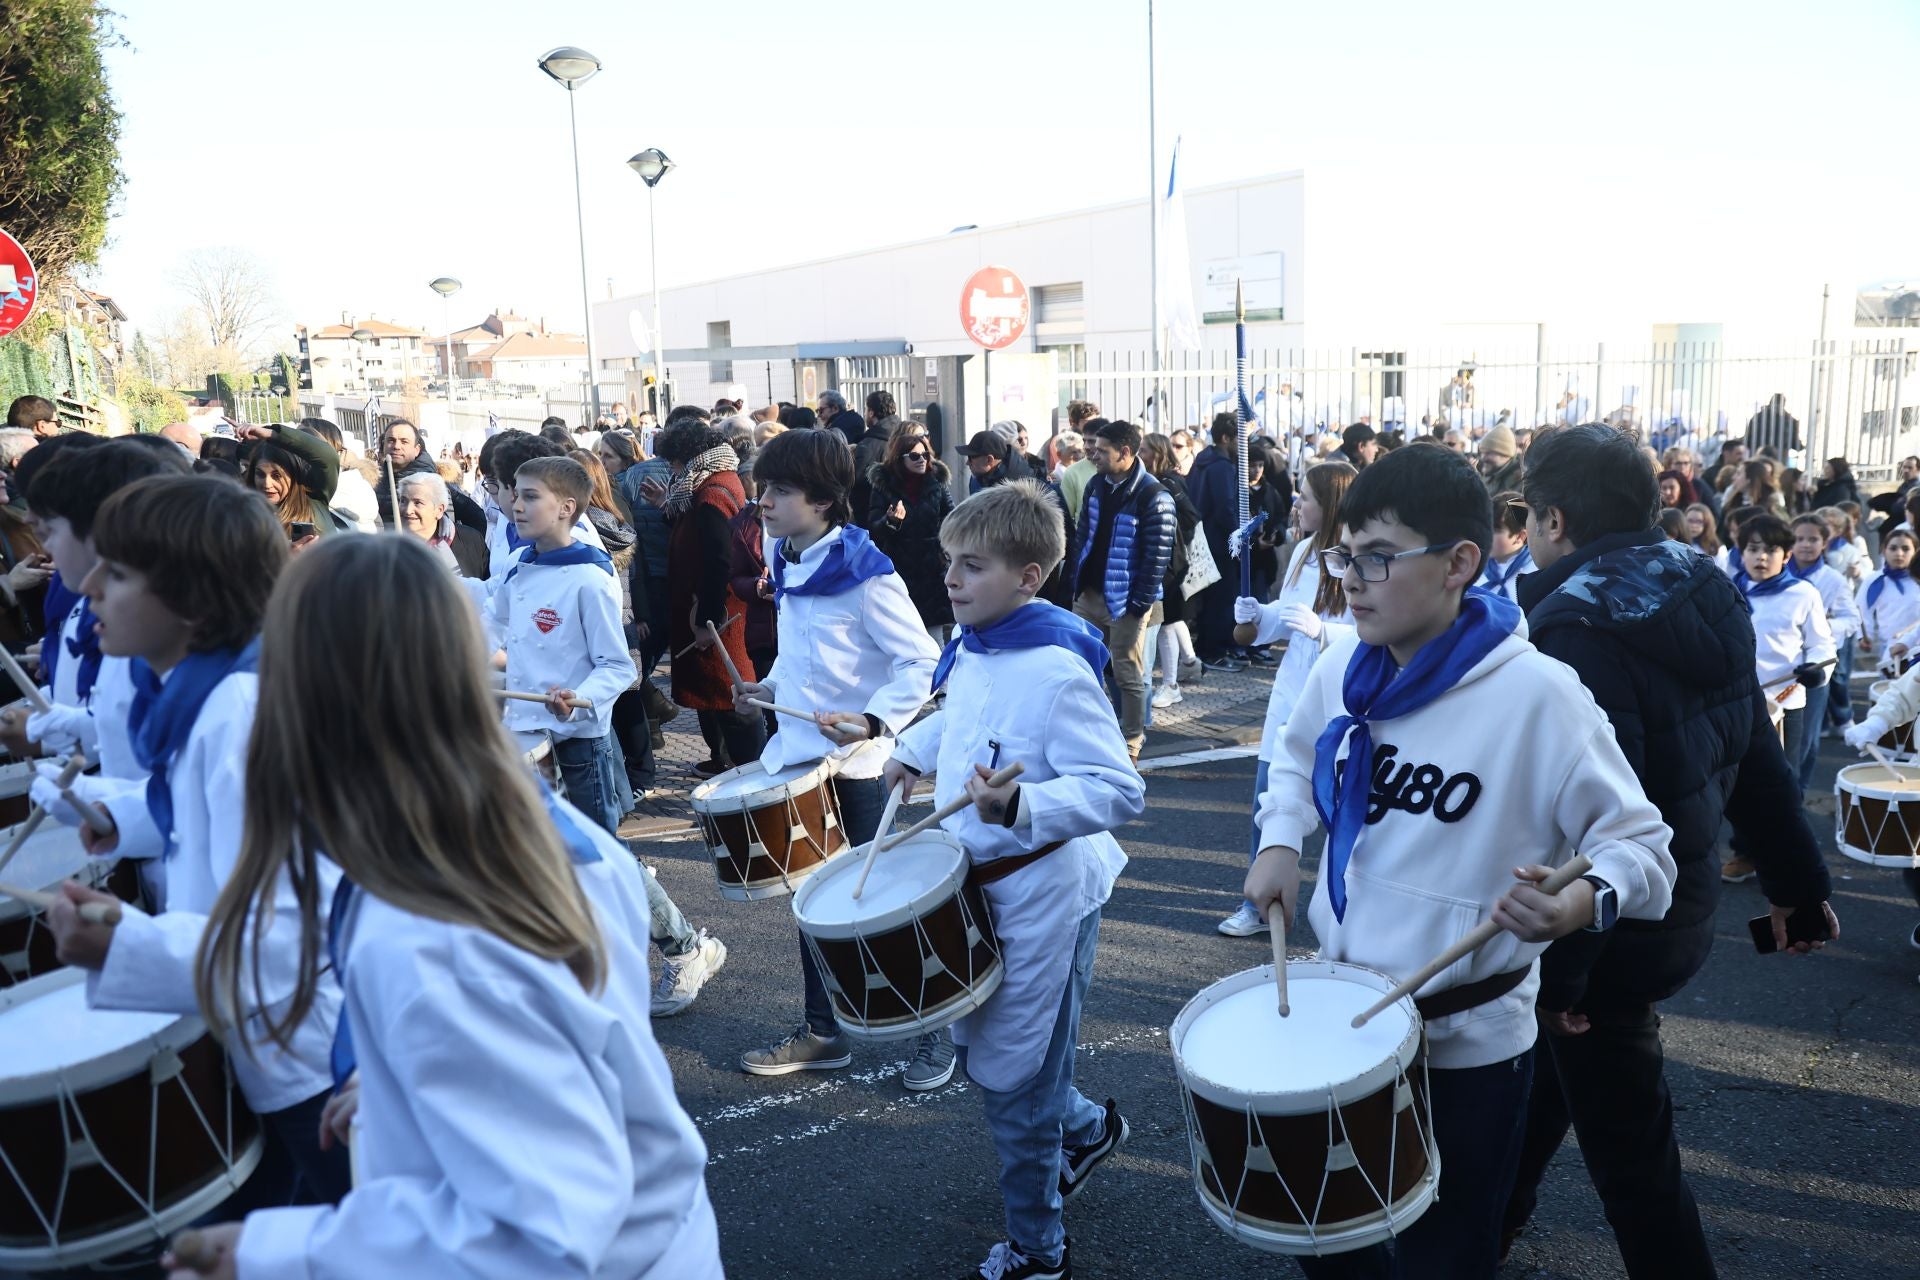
[
  {"x": 766, "y": 840},
  {"x": 1877, "y": 814},
  {"x": 26, "y": 944},
  {"x": 894, "y": 983},
  {"x": 1898, "y": 739}
]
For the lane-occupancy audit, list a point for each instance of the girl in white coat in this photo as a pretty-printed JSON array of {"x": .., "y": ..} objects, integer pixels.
[
  {"x": 516, "y": 1117},
  {"x": 1311, "y": 611}
]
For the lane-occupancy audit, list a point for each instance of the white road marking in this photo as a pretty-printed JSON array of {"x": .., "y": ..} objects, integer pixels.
[{"x": 1198, "y": 757}]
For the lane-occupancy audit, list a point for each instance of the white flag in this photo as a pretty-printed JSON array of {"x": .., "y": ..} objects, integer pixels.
[{"x": 1176, "y": 268}]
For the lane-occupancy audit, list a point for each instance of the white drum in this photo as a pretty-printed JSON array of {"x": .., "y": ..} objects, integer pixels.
[
  {"x": 1876, "y": 814},
  {"x": 1896, "y": 742},
  {"x": 50, "y": 855},
  {"x": 116, "y": 1129},
  {"x": 768, "y": 832},
  {"x": 1307, "y": 1136},
  {"x": 915, "y": 952},
  {"x": 16, "y": 780}
]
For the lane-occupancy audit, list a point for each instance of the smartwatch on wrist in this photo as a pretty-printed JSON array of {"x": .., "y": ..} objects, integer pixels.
[{"x": 1606, "y": 905}]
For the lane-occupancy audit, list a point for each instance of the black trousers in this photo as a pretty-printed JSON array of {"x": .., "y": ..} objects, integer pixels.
[
  {"x": 733, "y": 739},
  {"x": 1610, "y": 1085},
  {"x": 630, "y": 727}
]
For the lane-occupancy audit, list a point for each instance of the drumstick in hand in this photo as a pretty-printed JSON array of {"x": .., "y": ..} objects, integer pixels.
[
  {"x": 1277, "y": 926},
  {"x": 955, "y": 805},
  {"x": 578, "y": 704},
  {"x": 1481, "y": 935},
  {"x": 75, "y": 763},
  {"x": 1880, "y": 758},
  {"x": 723, "y": 626},
  {"x": 91, "y": 912},
  {"x": 795, "y": 712},
  {"x": 732, "y": 671},
  {"x": 21, "y": 678},
  {"x": 894, "y": 797}
]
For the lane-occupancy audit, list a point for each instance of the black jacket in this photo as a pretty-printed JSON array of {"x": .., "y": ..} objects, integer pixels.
[
  {"x": 913, "y": 543},
  {"x": 465, "y": 510},
  {"x": 866, "y": 456},
  {"x": 1664, "y": 642},
  {"x": 1831, "y": 493}
]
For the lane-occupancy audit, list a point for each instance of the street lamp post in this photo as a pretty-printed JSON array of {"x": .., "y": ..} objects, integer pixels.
[
  {"x": 574, "y": 67},
  {"x": 653, "y": 165},
  {"x": 360, "y": 360},
  {"x": 446, "y": 287}
]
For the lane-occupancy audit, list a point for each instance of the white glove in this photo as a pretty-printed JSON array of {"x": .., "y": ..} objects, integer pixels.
[
  {"x": 1246, "y": 610},
  {"x": 61, "y": 729},
  {"x": 1302, "y": 618},
  {"x": 46, "y": 794},
  {"x": 1870, "y": 730}
]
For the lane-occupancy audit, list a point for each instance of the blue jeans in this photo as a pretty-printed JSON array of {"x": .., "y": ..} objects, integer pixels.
[
  {"x": 1031, "y": 1124},
  {"x": 861, "y": 802},
  {"x": 1812, "y": 720},
  {"x": 1840, "y": 688},
  {"x": 1259, "y": 789},
  {"x": 594, "y": 778},
  {"x": 1479, "y": 1121}
]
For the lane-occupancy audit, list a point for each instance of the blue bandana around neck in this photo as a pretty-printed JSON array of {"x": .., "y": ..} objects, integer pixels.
[
  {"x": 559, "y": 557},
  {"x": 58, "y": 604},
  {"x": 1898, "y": 577},
  {"x": 164, "y": 713},
  {"x": 1834, "y": 544},
  {"x": 580, "y": 852},
  {"x": 1498, "y": 577},
  {"x": 1372, "y": 691},
  {"x": 1771, "y": 587},
  {"x": 1793, "y": 567},
  {"x": 84, "y": 646},
  {"x": 850, "y": 561},
  {"x": 1028, "y": 627}
]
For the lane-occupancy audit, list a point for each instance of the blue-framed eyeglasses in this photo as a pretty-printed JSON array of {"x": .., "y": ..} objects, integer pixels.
[{"x": 1373, "y": 566}]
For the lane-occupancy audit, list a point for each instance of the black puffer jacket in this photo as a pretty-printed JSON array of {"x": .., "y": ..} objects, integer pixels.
[
  {"x": 1664, "y": 642},
  {"x": 913, "y": 543}
]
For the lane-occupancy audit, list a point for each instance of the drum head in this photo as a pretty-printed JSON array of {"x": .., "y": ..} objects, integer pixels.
[
  {"x": 728, "y": 789},
  {"x": 923, "y": 870},
  {"x": 16, "y": 778},
  {"x": 50, "y": 855},
  {"x": 1901, "y": 782},
  {"x": 51, "y": 1034}
]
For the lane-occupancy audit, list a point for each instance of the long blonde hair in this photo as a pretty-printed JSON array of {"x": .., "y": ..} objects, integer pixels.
[
  {"x": 1328, "y": 482},
  {"x": 377, "y": 741}
]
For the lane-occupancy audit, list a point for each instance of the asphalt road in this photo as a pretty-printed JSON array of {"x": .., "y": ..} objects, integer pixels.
[{"x": 1797, "y": 1082}]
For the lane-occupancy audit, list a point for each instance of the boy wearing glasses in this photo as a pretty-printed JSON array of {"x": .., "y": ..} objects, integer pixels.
[{"x": 1441, "y": 749}]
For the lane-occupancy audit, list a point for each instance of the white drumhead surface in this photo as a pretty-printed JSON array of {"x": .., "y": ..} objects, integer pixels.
[
  {"x": 745, "y": 781},
  {"x": 1880, "y": 778},
  {"x": 56, "y": 1031},
  {"x": 1242, "y": 1043},
  {"x": 899, "y": 876},
  {"x": 49, "y": 856}
]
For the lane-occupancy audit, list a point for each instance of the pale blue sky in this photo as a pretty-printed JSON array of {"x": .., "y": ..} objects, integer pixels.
[{"x": 362, "y": 148}]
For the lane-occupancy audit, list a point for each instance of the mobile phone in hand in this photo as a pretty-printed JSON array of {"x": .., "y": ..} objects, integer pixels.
[
  {"x": 1807, "y": 924},
  {"x": 298, "y": 530}
]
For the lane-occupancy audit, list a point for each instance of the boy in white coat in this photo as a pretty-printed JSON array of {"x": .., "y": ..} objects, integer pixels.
[
  {"x": 1898, "y": 704},
  {"x": 1404, "y": 743},
  {"x": 1508, "y": 557},
  {"x": 1809, "y": 564},
  {"x": 1023, "y": 684},
  {"x": 852, "y": 650}
]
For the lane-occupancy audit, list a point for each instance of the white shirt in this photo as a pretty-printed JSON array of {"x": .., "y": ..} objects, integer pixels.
[
  {"x": 1510, "y": 585},
  {"x": 1301, "y": 653},
  {"x": 1045, "y": 708},
  {"x": 512, "y": 1124},
  {"x": 1789, "y": 630},
  {"x": 1836, "y": 597},
  {"x": 561, "y": 628},
  {"x": 862, "y": 650},
  {"x": 1886, "y": 621},
  {"x": 150, "y": 966}
]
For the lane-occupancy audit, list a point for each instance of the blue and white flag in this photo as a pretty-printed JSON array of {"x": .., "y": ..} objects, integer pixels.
[{"x": 1176, "y": 266}]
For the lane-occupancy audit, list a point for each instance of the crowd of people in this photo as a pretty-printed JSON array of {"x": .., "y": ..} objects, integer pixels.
[{"x": 448, "y": 925}]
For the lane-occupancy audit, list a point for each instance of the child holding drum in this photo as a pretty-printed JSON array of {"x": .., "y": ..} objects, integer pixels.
[
  {"x": 1898, "y": 704},
  {"x": 514, "y": 1111},
  {"x": 1439, "y": 747},
  {"x": 1889, "y": 603},
  {"x": 848, "y": 637},
  {"x": 1023, "y": 682}
]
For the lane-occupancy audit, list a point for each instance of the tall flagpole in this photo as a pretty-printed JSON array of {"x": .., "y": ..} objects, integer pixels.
[{"x": 1153, "y": 223}]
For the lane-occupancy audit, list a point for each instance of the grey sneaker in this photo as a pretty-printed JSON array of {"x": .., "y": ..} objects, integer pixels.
[
  {"x": 801, "y": 1051},
  {"x": 1192, "y": 669},
  {"x": 681, "y": 977},
  {"x": 1243, "y": 923},
  {"x": 932, "y": 1065}
]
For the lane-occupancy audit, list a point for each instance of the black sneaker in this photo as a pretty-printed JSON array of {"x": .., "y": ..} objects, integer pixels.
[
  {"x": 1263, "y": 658},
  {"x": 1225, "y": 663},
  {"x": 1078, "y": 1163},
  {"x": 709, "y": 769},
  {"x": 1005, "y": 1262}
]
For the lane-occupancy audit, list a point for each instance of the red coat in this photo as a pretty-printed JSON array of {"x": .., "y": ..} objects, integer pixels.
[{"x": 699, "y": 560}]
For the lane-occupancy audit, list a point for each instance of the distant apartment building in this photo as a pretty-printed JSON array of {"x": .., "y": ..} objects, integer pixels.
[{"x": 381, "y": 361}]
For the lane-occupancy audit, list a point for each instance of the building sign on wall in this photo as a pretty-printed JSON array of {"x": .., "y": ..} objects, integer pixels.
[{"x": 1262, "y": 275}]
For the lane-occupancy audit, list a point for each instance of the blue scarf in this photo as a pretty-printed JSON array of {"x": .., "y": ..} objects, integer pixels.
[
  {"x": 1835, "y": 544},
  {"x": 580, "y": 852},
  {"x": 58, "y": 604},
  {"x": 1028, "y": 627},
  {"x": 1898, "y": 577},
  {"x": 1498, "y": 577},
  {"x": 84, "y": 646},
  {"x": 1793, "y": 567},
  {"x": 849, "y": 562},
  {"x": 1370, "y": 692},
  {"x": 163, "y": 715},
  {"x": 559, "y": 557},
  {"x": 1771, "y": 587}
]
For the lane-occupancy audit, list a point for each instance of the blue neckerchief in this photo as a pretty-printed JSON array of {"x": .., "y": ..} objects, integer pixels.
[
  {"x": 850, "y": 561},
  {"x": 1498, "y": 577},
  {"x": 1772, "y": 586},
  {"x": 1898, "y": 577},
  {"x": 572, "y": 553},
  {"x": 163, "y": 715},
  {"x": 1834, "y": 544},
  {"x": 1371, "y": 691},
  {"x": 580, "y": 852},
  {"x": 1028, "y": 627},
  {"x": 1793, "y": 567},
  {"x": 59, "y": 604}
]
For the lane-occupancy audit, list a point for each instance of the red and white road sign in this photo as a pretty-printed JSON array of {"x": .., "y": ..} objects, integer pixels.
[
  {"x": 19, "y": 284},
  {"x": 994, "y": 308}
]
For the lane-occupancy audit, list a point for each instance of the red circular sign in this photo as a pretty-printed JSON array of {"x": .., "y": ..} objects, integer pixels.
[
  {"x": 19, "y": 284},
  {"x": 994, "y": 307}
]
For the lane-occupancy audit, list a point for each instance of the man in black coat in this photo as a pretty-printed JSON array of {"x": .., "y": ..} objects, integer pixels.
[{"x": 1664, "y": 642}]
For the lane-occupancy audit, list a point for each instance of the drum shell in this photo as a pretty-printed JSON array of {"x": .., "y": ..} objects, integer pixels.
[
  {"x": 1875, "y": 823},
  {"x": 765, "y": 842},
  {"x": 1897, "y": 742},
  {"x": 26, "y": 943},
  {"x": 16, "y": 781}
]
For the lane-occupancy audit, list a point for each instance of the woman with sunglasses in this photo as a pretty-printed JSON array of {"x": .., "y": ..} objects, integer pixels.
[{"x": 911, "y": 498}]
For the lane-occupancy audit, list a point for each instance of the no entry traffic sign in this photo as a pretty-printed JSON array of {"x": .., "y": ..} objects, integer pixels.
[
  {"x": 19, "y": 284},
  {"x": 994, "y": 307}
]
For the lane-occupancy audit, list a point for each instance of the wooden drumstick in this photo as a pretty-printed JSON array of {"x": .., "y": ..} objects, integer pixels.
[
  {"x": 1278, "y": 929},
  {"x": 579, "y": 704},
  {"x": 1791, "y": 676},
  {"x": 894, "y": 797},
  {"x": 723, "y": 626},
  {"x": 1880, "y": 758},
  {"x": 795, "y": 712},
  {"x": 91, "y": 912},
  {"x": 1482, "y": 934},
  {"x": 732, "y": 671},
  {"x": 955, "y": 805},
  {"x": 21, "y": 678},
  {"x": 75, "y": 763}
]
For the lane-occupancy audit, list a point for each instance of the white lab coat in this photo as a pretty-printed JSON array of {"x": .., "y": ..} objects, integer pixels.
[
  {"x": 1045, "y": 708},
  {"x": 501, "y": 555},
  {"x": 1789, "y": 630},
  {"x": 150, "y": 966},
  {"x": 1836, "y": 597},
  {"x": 511, "y": 1123},
  {"x": 861, "y": 650},
  {"x": 561, "y": 628},
  {"x": 1893, "y": 618}
]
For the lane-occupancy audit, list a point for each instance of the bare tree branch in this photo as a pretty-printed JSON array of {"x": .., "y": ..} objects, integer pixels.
[{"x": 230, "y": 298}]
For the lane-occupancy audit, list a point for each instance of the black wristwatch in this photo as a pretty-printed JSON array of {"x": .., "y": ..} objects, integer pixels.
[{"x": 1606, "y": 905}]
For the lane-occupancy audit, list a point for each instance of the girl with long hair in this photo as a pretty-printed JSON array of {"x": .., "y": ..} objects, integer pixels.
[
  {"x": 490, "y": 941},
  {"x": 1311, "y": 612},
  {"x": 1703, "y": 532},
  {"x": 1175, "y": 644}
]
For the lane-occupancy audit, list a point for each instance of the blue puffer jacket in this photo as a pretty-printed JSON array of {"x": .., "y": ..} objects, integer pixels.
[{"x": 1142, "y": 544}]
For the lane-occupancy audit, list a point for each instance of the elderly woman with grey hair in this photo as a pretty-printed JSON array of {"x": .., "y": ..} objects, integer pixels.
[{"x": 426, "y": 512}]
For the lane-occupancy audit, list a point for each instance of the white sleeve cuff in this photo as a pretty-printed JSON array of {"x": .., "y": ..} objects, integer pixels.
[{"x": 274, "y": 1242}]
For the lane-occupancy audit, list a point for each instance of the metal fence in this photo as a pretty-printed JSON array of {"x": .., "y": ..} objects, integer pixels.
[{"x": 859, "y": 376}]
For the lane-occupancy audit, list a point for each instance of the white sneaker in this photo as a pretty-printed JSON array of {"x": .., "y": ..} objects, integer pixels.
[
  {"x": 1243, "y": 923},
  {"x": 681, "y": 977},
  {"x": 1166, "y": 696}
]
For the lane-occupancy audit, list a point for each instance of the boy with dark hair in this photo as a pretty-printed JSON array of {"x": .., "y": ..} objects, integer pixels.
[
  {"x": 851, "y": 649},
  {"x": 1508, "y": 557},
  {"x": 1420, "y": 673}
]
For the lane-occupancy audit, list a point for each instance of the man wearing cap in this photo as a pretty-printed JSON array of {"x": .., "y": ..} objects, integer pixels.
[
  {"x": 1499, "y": 461},
  {"x": 992, "y": 460},
  {"x": 1358, "y": 446}
]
